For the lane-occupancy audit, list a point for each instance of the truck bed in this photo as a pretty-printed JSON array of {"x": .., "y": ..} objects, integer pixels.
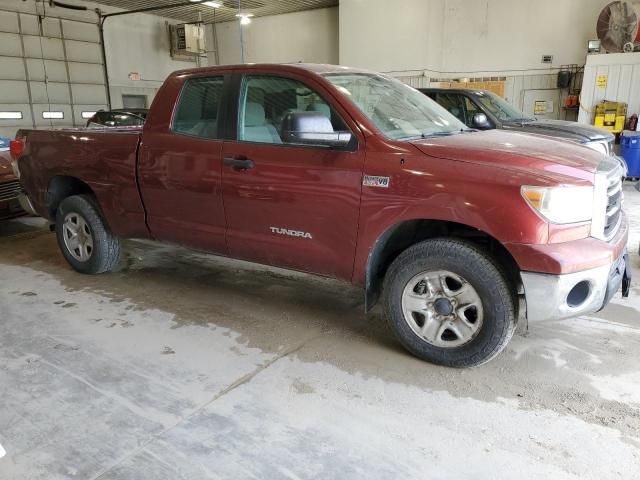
[{"x": 104, "y": 158}]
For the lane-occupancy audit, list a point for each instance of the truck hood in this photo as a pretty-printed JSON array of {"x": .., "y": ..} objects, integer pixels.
[
  {"x": 533, "y": 154},
  {"x": 573, "y": 131}
]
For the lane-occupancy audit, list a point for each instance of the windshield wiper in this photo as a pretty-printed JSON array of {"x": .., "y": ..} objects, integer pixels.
[
  {"x": 438, "y": 134},
  {"x": 522, "y": 120},
  {"x": 447, "y": 133}
]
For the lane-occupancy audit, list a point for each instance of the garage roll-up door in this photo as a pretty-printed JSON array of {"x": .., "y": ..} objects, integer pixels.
[{"x": 52, "y": 73}]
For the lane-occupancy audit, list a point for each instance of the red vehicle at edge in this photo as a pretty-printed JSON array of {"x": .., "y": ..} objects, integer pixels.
[
  {"x": 9, "y": 189},
  {"x": 348, "y": 174}
]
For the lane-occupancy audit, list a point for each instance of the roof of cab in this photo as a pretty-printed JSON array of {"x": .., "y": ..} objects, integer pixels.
[{"x": 317, "y": 68}]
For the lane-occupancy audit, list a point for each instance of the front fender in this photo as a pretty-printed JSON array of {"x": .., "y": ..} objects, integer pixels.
[{"x": 425, "y": 188}]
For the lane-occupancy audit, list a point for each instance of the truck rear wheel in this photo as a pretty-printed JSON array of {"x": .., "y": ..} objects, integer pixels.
[
  {"x": 449, "y": 303},
  {"x": 84, "y": 238}
]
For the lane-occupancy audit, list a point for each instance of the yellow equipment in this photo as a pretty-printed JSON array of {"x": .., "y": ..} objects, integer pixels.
[{"x": 611, "y": 116}]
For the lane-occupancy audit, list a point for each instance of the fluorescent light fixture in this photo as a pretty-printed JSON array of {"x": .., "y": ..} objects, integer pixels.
[
  {"x": 10, "y": 115},
  {"x": 53, "y": 115},
  {"x": 245, "y": 18},
  {"x": 209, "y": 4},
  {"x": 87, "y": 115}
]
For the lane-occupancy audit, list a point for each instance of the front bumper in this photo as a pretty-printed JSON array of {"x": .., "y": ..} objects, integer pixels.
[
  {"x": 555, "y": 297},
  {"x": 26, "y": 204}
]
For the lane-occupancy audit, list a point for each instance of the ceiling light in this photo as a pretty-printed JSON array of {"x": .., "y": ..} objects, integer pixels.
[
  {"x": 209, "y": 4},
  {"x": 10, "y": 115},
  {"x": 245, "y": 18},
  {"x": 53, "y": 115}
]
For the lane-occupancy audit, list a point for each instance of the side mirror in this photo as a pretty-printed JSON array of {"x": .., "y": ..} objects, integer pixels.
[
  {"x": 312, "y": 128},
  {"x": 481, "y": 121}
]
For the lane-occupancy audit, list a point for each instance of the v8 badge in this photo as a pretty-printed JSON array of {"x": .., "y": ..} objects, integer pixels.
[{"x": 372, "y": 181}]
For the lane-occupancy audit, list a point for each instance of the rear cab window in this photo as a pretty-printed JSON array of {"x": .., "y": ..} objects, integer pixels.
[{"x": 198, "y": 108}]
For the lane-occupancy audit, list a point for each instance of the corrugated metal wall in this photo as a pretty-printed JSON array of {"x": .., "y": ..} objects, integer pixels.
[
  {"x": 48, "y": 65},
  {"x": 622, "y": 74}
]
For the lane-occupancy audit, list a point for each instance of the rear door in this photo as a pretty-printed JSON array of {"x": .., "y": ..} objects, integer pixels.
[
  {"x": 294, "y": 206},
  {"x": 180, "y": 164}
]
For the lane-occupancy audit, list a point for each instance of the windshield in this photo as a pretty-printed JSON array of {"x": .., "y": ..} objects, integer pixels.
[
  {"x": 500, "y": 108},
  {"x": 397, "y": 110}
]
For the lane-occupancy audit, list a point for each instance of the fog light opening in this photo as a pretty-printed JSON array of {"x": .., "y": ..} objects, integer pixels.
[{"x": 579, "y": 294}]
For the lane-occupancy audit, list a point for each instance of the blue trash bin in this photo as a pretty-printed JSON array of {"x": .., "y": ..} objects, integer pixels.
[{"x": 630, "y": 149}]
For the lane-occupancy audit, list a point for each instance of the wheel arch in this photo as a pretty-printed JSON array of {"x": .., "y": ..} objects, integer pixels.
[
  {"x": 64, "y": 186},
  {"x": 397, "y": 238}
]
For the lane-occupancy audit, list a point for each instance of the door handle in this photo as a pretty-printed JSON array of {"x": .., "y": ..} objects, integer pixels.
[{"x": 239, "y": 163}]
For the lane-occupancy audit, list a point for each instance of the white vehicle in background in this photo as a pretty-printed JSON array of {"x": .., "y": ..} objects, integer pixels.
[{"x": 4, "y": 144}]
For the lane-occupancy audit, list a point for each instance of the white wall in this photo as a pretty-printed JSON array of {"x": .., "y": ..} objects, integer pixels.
[
  {"x": 502, "y": 35},
  {"x": 138, "y": 43},
  {"x": 391, "y": 36},
  {"x": 466, "y": 36},
  {"x": 310, "y": 36}
]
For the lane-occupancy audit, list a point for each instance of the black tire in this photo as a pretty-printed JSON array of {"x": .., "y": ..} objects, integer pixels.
[
  {"x": 105, "y": 253},
  {"x": 483, "y": 273}
]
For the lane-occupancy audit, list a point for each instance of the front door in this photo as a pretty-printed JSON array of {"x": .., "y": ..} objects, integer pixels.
[
  {"x": 180, "y": 169},
  {"x": 453, "y": 102},
  {"x": 287, "y": 204}
]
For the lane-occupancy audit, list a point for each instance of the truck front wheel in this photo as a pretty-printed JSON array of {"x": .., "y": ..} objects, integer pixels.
[
  {"x": 449, "y": 303},
  {"x": 84, "y": 238}
]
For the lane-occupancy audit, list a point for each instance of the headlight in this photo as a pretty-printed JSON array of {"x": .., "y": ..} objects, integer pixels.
[{"x": 561, "y": 204}]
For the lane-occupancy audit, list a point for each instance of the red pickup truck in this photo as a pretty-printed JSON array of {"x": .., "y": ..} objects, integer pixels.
[{"x": 353, "y": 175}]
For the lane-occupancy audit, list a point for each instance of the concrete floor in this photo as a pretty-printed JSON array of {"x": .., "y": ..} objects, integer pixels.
[{"x": 184, "y": 366}]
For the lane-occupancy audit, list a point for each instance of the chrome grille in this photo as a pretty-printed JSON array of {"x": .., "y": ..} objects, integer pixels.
[
  {"x": 602, "y": 146},
  {"x": 613, "y": 214},
  {"x": 9, "y": 190},
  {"x": 609, "y": 147}
]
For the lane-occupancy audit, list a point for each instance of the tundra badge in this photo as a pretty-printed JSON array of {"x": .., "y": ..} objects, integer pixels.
[
  {"x": 371, "y": 181},
  {"x": 291, "y": 233}
]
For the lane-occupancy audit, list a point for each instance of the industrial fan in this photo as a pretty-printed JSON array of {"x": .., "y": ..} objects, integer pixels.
[{"x": 618, "y": 28}]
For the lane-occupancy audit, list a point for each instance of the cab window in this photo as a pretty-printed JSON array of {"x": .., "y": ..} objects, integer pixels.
[
  {"x": 453, "y": 103},
  {"x": 267, "y": 101},
  {"x": 470, "y": 109},
  {"x": 198, "y": 107}
]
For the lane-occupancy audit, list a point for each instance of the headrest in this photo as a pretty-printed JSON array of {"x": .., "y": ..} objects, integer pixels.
[
  {"x": 320, "y": 107},
  {"x": 295, "y": 122},
  {"x": 254, "y": 115}
]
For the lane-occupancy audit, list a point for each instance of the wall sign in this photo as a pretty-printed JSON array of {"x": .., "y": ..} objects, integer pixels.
[
  {"x": 543, "y": 107},
  {"x": 540, "y": 107},
  {"x": 601, "y": 81},
  {"x": 134, "y": 76}
]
